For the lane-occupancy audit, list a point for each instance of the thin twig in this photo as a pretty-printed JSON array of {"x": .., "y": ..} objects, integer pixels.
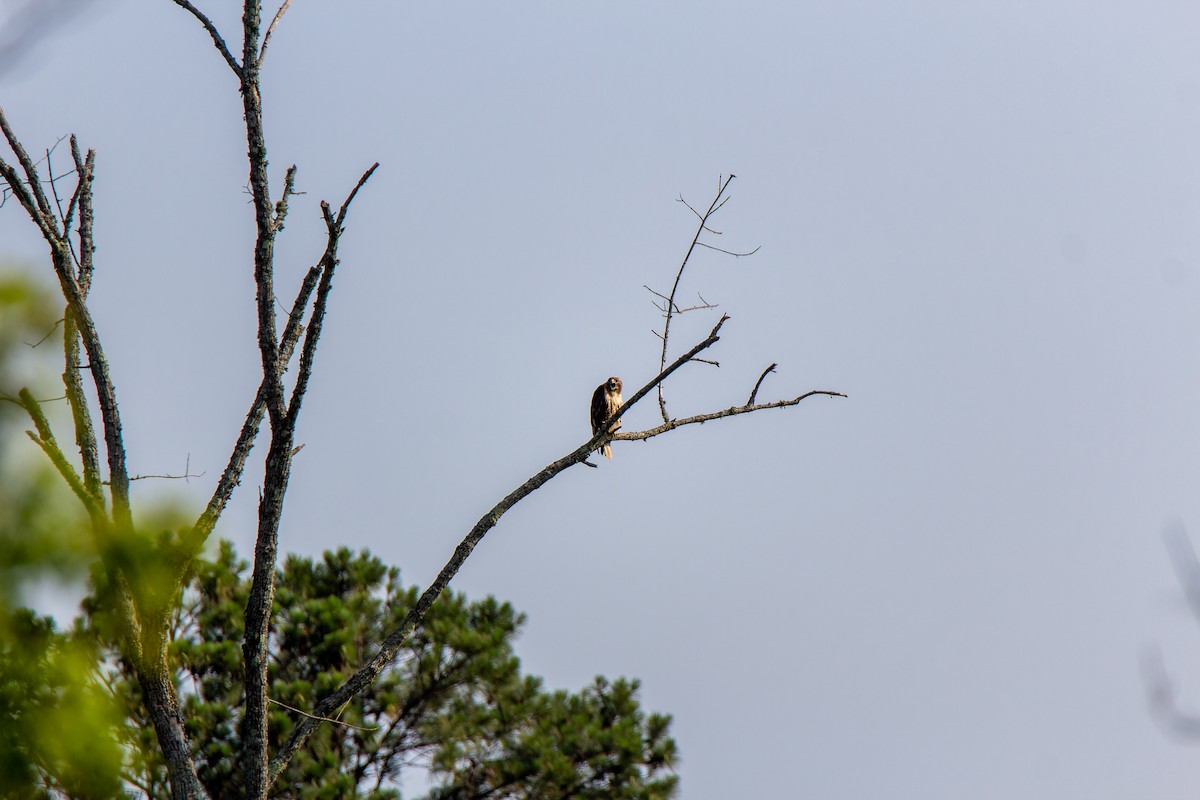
[
  {"x": 328, "y": 264},
  {"x": 730, "y": 252},
  {"x": 44, "y": 438},
  {"x": 187, "y": 473},
  {"x": 650, "y": 433},
  {"x": 722, "y": 185},
  {"x": 323, "y": 719},
  {"x": 49, "y": 333}
]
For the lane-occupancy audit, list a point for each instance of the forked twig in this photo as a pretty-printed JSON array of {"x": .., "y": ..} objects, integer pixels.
[
  {"x": 322, "y": 719},
  {"x": 671, "y": 308}
]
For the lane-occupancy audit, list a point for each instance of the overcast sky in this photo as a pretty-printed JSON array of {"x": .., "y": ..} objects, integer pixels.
[{"x": 981, "y": 221}]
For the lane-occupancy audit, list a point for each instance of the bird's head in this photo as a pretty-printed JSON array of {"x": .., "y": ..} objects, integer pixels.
[{"x": 614, "y": 384}]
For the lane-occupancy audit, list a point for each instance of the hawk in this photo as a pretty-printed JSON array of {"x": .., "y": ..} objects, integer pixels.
[{"x": 605, "y": 402}]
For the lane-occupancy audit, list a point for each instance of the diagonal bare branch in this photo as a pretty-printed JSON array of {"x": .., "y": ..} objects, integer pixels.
[
  {"x": 329, "y": 262},
  {"x": 44, "y": 438},
  {"x": 28, "y": 190},
  {"x": 730, "y": 252},
  {"x": 733, "y": 411},
  {"x": 62, "y": 259},
  {"x": 218, "y": 41},
  {"x": 758, "y": 383},
  {"x": 370, "y": 671},
  {"x": 262, "y": 51},
  {"x": 232, "y": 475},
  {"x": 672, "y": 309}
]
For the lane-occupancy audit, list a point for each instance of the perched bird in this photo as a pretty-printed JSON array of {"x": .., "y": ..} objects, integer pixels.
[{"x": 605, "y": 402}]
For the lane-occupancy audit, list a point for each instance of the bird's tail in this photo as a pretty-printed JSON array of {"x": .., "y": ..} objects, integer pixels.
[{"x": 608, "y": 452}]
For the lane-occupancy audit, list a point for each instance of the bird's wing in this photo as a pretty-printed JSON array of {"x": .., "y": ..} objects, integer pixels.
[{"x": 599, "y": 410}]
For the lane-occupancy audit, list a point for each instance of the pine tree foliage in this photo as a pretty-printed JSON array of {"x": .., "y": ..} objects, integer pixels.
[{"x": 455, "y": 703}]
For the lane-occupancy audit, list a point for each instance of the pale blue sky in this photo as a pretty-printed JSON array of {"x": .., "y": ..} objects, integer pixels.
[{"x": 979, "y": 220}]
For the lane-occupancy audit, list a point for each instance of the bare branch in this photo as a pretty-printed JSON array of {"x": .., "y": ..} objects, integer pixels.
[
  {"x": 85, "y": 431},
  {"x": 650, "y": 433},
  {"x": 187, "y": 473},
  {"x": 722, "y": 185},
  {"x": 730, "y": 252},
  {"x": 341, "y": 217},
  {"x": 281, "y": 207},
  {"x": 707, "y": 361},
  {"x": 328, "y": 264},
  {"x": 257, "y": 616},
  {"x": 368, "y": 673},
  {"x": 44, "y": 438},
  {"x": 704, "y": 306},
  {"x": 28, "y": 191},
  {"x": 262, "y": 51},
  {"x": 85, "y": 168},
  {"x": 758, "y": 383},
  {"x": 657, "y": 294},
  {"x": 232, "y": 475},
  {"x": 64, "y": 216},
  {"x": 222, "y": 48},
  {"x": 322, "y": 719},
  {"x": 72, "y": 290},
  {"x": 49, "y": 333}
]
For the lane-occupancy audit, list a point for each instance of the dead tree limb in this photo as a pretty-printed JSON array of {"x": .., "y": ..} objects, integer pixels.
[
  {"x": 732, "y": 411},
  {"x": 370, "y": 671},
  {"x": 262, "y": 51},
  {"x": 141, "y": 617},
  {"x": 218, "y": 41},
  {"x": 670, "y": 308}
]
